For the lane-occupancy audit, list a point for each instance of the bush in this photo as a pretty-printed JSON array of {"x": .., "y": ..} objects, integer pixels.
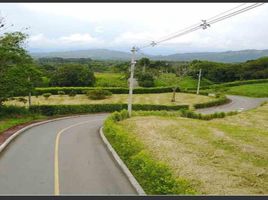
[
  {"x": 98, "y": 94},
  {"x": 47, "y": 95},
  {"x": 155, "y": 177},
  {"x": 61, "y": 93},
  {"x": 146, "y": 80},
  {"x": 23, "y": 100},
  {"x": 72, "y": 93}
]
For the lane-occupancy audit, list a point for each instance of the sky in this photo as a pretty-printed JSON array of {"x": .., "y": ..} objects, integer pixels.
[{"x": 119, "y": 26}]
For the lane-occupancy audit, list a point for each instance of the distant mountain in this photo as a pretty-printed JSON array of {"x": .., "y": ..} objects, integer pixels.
[
  {"x": 228, "y": 56},
  {"x": 99, "y": 54},
  {"x": 104, "y": 54}
]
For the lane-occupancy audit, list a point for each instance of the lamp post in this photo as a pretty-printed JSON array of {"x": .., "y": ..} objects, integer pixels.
[{"x": 132, "y": 68}]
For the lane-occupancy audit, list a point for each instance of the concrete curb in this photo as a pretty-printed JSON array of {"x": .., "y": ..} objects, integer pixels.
[
  {"x": 12, "y": 137},
  {"x": 124, "y": 168}
]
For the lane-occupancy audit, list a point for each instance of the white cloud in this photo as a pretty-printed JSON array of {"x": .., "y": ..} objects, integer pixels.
[
  {"x": 121, "y": 25},
  {"x": 73, "y": 40}
]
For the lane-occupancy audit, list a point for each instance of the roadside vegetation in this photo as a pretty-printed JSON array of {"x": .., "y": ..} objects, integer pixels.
[{"x": 220, "y": 156}]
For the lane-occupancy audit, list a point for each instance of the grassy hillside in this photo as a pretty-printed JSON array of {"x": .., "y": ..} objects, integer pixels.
[
  {"x": 186, "y": 82},
  {"x": 223, "y": 156},
  {"x": 251, "y": 90}
]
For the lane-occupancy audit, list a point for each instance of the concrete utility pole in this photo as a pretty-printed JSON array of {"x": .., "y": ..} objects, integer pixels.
[
  {"x": 199, "y": 78},
  {"x": 132, "y": 68}
]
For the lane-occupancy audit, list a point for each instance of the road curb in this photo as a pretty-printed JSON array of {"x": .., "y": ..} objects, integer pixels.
[
  {"x": 122, "y": 165},
  {"x": 13, "y": 136}
]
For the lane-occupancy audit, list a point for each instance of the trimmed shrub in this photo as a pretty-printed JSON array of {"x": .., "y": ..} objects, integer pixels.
[
  {"x": 22, "y": 100},
  {"x": 61, "y": 93},
  {"x": 47, "y": 95},
  {"x": 98, "y": 94},
  {"x": 72, "y": 93}
]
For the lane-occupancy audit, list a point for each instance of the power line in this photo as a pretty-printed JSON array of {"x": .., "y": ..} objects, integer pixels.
[{"x": 204, "y": 25}]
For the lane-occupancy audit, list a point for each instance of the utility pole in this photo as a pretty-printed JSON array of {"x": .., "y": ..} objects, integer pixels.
[
  {"x": 199, "y": 78},
  {"x": 132, "y": 68}
]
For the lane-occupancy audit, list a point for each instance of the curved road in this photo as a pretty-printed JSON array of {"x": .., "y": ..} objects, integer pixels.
[
  {"x": 238, "y": 103},
  {"x": 62, "y": 157}
]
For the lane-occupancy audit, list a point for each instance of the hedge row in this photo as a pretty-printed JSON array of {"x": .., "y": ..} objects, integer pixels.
[
  {"x": 50, "y": 110},
  {"x": 194, "y": 115},
  {"x": 219, "y": 101},
  {"x": 114, "y": 90},
  {"x": 155, "y": 177},
  {"x": 13, "y": 110}
]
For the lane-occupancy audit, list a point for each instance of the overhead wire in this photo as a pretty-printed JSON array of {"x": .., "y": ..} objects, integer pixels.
[{"x": 212, "y": 20}]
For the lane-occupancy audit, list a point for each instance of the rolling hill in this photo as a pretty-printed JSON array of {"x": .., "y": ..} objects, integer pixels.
[{"x": 105, "y": 54}]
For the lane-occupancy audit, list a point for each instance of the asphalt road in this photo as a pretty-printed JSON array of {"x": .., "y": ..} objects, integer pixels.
[
  {"x": 238, "y": 103},
  {"x": 65, "y": 157}
]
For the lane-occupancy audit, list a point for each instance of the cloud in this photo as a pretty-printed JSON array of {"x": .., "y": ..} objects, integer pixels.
[
  {"x": 69, "y": 41},
  {"x": 122, "y": 25}
]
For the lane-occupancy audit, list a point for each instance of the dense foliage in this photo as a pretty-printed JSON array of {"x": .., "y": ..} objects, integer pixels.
[
  {"x": 73, "y": 75},
  {"x": 18, "y": 73},
  {"x": 227, "y": 72}
]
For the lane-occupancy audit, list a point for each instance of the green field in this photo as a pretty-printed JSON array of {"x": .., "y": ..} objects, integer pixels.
[
  {"x": 186, "y": 82},
  {"x": 251, "y": 90},
  {"x": 226, "y": 156},
  {"x": 110, "y": 80},
  {"x": 160, "y": 99}
]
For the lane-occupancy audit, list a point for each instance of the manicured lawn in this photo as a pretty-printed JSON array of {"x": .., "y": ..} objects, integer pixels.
[
  {"x": 222, "y": 156},
  {"x": 251, "y": 90},
  {"x": 110, "y": 80},
  {"x": 163, "y": 99}
]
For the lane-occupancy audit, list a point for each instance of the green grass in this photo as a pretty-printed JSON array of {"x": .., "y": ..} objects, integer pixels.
[
  {"x": 186, "y": 82},
  {"x": 226, "y": 156},
  {"x": 110, "y": 80},
  {"x": 159, "y": 99},
  {"x": 6, "y": 123},
  {"x": 251, "y": 90}
]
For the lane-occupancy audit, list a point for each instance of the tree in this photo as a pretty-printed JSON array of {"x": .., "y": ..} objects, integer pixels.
[
  {"x": 73, "y": 75},
  {"x": 18, "y": 73},
  {"x": 173, "y": 80},
  {"x": 144, "y": 62},
  {"x": 146, "y": 80}
]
